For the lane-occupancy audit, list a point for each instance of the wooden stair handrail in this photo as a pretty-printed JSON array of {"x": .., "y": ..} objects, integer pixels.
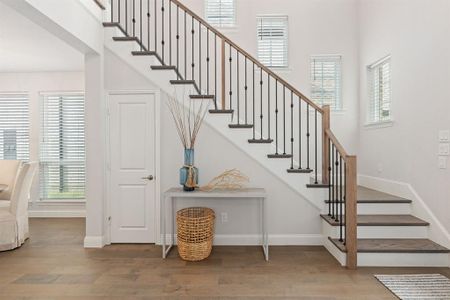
[
  {"x": 249, "y": 56},
  {"x": 336, "y": 143}
]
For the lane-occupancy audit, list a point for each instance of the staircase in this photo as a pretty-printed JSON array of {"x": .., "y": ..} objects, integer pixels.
[{"x": 273, "y": 122}]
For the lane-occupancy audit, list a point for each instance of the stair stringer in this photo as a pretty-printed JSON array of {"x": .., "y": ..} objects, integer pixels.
[{"x": 218, "y": 122}]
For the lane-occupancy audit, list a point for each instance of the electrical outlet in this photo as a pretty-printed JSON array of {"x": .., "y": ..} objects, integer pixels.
[
  {"x": 442, "y": 162},
  {"x": 224, "y": 217},
  {"x": 444, "y": 149},
  {"x": 444, "y": 136}
]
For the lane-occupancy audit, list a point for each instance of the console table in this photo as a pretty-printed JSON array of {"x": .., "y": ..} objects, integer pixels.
[{"x": 177, "y": 193}]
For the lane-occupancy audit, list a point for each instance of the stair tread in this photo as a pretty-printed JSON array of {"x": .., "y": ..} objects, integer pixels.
[
  {"x": 366, "y": 195},
  {"x": 221, "y": 111},
  {"x": 176, "y": 81},
  {"x": 143, "y": 53},
  {"x": 297, "y": 170},
  {"x": 125, "y": 38},
  {"x": 394, "y": 246},
  {"x": 279, "y": 155},
  {"x": 163, "y": 67},
  {"x": 201, "y": 96},
  {"x": 382, "y": 220},
  {"x": 260, "y": 141},
  {"x": 240, "y": 125}
]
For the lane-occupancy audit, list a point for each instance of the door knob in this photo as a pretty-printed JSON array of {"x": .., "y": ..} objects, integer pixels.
[{"x": 149, "y": 177}]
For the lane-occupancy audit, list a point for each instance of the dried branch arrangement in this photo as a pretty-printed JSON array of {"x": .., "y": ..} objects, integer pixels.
[
  {"x": 228, "y": 180},
  {"x": 188, "y": 116}
]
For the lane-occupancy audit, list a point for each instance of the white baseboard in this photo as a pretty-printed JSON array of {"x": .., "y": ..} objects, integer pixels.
[
  {"x": 437, "y": 232},
  {"x": 274, "y": 239},
  {"x": 94, "y": 241}
]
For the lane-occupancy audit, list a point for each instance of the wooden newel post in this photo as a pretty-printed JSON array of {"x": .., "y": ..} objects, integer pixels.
[
  {"x": 325, "y": 143},
  {"x": 351, "y": 212},
  {"x": 223, "y": 74}
]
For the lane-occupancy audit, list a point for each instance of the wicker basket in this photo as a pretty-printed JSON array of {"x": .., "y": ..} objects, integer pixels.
[{"x": 195, "y": 232}]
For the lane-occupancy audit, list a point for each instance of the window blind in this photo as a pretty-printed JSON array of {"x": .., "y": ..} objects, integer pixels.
[
  {"x": 380, "y": 91},
  {"x": 272, "y": 39},
  {"x": 14, "y": 126},
  {"x": 220, "y": 13},
  {"x": 62, "y": 147},
  {"x": 326, "y": 81}
]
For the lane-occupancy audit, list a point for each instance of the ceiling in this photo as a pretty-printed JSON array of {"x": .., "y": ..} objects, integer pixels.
[{"x": 26, "y": 47}]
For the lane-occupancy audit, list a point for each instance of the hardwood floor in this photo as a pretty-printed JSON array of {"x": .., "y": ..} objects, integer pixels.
[{"x": 53, "y": 264}]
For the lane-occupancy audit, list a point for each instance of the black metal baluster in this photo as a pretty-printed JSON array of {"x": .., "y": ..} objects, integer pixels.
[
  {"x": 292, "y": 130},
  {"x": 162, "y": 33},
  {"x": 140, "y": 25},
  {"x": 345, "y": 197},
  {"x": 300, "y": 133},
  {"x": 253, "y": 95},
  {"x": 307, "y": 136},
  {"x": 268, "y": 106},
  {"x": 134, "y": 18},
  {"x": 336, "y": 170},
  {"x": 215, "y": 71},
  {"x": 284, "y": 120},
  {"x": 237, "y": 87},
  {"x": 178, "y": 43},
  {"x": 329, "y": 178},
  {"x": 112, "y": 11},
  {"x": 261, "y": 108},
  {"x": 200, "y": 56},
  {"x": 341, "y": 199},
  {"x": 126, "y": 16},
  {"x": 276, "y": 116},
  {"x": 332, "y": 179},
  {"x": 246, "y": 88},
  {"x": 207, "y": 61},
  {"x": 193, "y": 52},
  {"x": 231, "y": 81},
  {"x": 315, "y": 147}
]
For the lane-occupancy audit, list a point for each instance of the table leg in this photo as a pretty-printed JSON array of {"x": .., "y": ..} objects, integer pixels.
[
  {"x": 265, "y": 237},
  {"x": 163, "y": 225}
]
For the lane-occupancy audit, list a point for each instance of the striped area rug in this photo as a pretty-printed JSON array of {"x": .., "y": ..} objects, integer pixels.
[{"x": 417, "y": 286}]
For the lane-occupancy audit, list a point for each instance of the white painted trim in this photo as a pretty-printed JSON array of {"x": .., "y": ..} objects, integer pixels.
[
  {"x": 157, "y": 175},
  {"x": 403, "y": 259},
  {"x": 57, "y": 213},
  {"x": 94, "y": 241},
  {"x": 255, "y": 239},
  {"x": 437, "y": 231}
]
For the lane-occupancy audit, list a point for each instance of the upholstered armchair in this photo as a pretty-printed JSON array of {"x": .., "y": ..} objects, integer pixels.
[{"x": 9, "y": 170}]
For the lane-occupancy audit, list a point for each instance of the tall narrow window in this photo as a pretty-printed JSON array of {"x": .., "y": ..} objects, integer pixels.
[
  {"x": 326, "y": 80},
  {"x": 379, "y": 75},
  {"x": 220, "y": 13},
  {"x": 272, "y": 35},
  {"x": 62, "y": 147},
  {"x": 14, "y": 126}
]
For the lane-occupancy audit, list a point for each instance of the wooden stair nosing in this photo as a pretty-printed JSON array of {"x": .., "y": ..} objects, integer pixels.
[
  {"x": 201, "y": 97},
  {"x": 178, "y": 81},
  {"x": 394, "y": 246},
  {"x": 300, "y": 171},
  {"x": 260, "y": 141},
  {"x": 143, "y": 53},
  {"x": 377, "y": 220},
  {"x": 125, "y": 38},
  {"x": 237, "y": 126},
  {"x": 378, "y": 201},
  {"x": 317, "y": 185},
  {"x": 221, "y": 111},
  {"x": 278, "y": 155},
  {"x": 163, "y": 67}
]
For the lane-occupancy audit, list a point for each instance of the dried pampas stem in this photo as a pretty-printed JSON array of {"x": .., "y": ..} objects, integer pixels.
[{"x": 228, "y": 180}]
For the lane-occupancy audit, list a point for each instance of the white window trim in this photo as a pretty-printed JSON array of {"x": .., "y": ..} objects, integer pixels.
[
  {"x": 287, "y": 67},
  {"x": 381, "y": 123},
  {"x": 57, "y": 201},
  {"x": 342, "y": 109},
  {"x": 227, "y": 28}
]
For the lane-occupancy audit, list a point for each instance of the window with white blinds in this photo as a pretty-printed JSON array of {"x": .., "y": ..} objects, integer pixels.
[
  {"x": 220, "y": 13},
  {"x": 62, "y": 147},
  {"x": 272, "y": 36},
  {"x": 326, "y": 80},
  {"x": 380, "y": 91},
  {"x": 14, "y": 126}
]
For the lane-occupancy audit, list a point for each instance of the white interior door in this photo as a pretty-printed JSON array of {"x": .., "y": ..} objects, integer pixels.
[{"x": 132, "y": 142}]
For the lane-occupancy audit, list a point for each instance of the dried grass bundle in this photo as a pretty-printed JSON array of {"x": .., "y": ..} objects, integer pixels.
[
  {"x": 188, "y": 117},
  {"x": 228, "y": 180}
]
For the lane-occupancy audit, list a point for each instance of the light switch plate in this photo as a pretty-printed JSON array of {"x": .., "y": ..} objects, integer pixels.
[
  {"x": 442, "y": 162},
  {"x": 444, "y": 149},
  {"x": 444, "y": 135}
]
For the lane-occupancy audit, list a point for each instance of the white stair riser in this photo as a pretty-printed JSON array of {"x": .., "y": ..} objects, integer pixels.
[
  {"x": 379, "y": 209},
  {"x": 403, "y": 259},
  {"x": 383, "y": 232}
]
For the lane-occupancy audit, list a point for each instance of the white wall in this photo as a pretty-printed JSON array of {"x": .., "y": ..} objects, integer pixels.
[
  {"x": 315, "y": 27},
  {"x": 290, "y": 218},
  {"x": 34, "y": 84},
  {"x": 416, "y": 34}
]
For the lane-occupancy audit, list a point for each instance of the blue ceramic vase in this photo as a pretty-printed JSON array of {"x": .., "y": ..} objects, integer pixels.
[{"x": 189, "y": 173}]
